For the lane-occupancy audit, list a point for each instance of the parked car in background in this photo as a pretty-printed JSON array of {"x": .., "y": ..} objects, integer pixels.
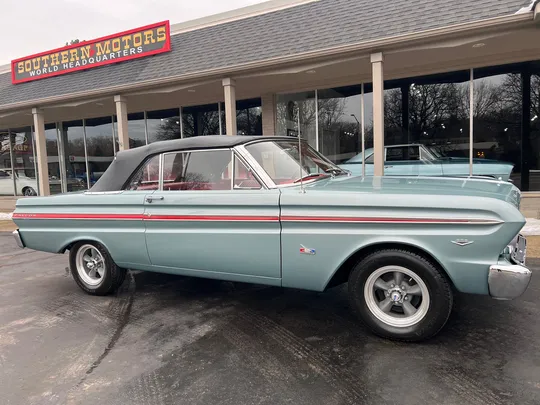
[
  {"x": 27, "y": 186},
  {"x": 265, "y": 210},
  {"x": 422, "y": 160}
]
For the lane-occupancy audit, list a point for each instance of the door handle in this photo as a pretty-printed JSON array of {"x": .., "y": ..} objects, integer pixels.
[{"x": 150, "y": 199}]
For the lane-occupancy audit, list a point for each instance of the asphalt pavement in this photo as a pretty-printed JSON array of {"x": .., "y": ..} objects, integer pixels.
[{"x": 174, "y": 340}]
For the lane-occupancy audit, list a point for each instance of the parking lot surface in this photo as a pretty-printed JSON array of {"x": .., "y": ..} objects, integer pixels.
[{"x": 173, "y": 340}]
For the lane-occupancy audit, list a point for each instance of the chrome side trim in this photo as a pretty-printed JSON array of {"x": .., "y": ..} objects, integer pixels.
[
  {"x": 103, "y": 192},
  {"x": 18, "y": 239},
  {"x": 508, "y": 281}
]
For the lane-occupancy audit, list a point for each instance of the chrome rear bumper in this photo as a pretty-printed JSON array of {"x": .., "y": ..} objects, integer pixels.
[
  {"x": 18, "y": 239},
  {"x": 509, "y": 278},
  {"x": 508, "y": 281}
]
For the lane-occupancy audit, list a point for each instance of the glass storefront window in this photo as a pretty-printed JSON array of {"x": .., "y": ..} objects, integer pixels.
[
  {"x": 74, "y": 155},
  {"x": 294, "y": 110},
  {"x": 534, "y": 144},
  {"x": 99, "y": 146},
  {"x": 136, "y": 130},
  {"x": 427, "y": 125},
  {"x": 23, "y": 161},
  {"x": 248, "y": 117},
  {"x": 7, "y": 186},
  {"x": 340, "y": 128},
  {"x": 201, "y": 120},
  {"x": 438, "y": 116},
  {"x": 498, "y": 108},
  {"x": 163, "y": 125},
  {"x": 53, "y": 161},
  {"x": 395, "y": 132}
]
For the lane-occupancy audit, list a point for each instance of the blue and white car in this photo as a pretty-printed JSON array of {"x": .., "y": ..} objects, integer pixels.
[{"x": 421, "y": 160}]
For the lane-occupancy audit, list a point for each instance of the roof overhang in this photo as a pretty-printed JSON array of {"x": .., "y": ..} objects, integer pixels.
[{"x": 386, "y": 45}]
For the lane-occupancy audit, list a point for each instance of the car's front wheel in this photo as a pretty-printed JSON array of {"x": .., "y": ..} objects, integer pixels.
[
  {"x": 400, "y": 295},
  {"x": 94, "y": 270}
]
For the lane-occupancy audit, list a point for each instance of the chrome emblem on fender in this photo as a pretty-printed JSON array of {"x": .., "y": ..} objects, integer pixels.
[
  {"x": 463, "y": 242},
  {"x": 306, "y": 251}
]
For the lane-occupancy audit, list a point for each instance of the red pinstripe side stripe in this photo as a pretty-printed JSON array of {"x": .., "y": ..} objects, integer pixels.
[
  {"x": 247, "y": 218},
  {"x": 375, "y": 220},
  {"x": 231, "y": 218},
  {"x": 234, "y": 218},
  {"x": 79, "y": 216}
]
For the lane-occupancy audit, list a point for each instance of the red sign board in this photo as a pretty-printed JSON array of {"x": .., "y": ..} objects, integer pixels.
[{"x": 133, "y": 44}]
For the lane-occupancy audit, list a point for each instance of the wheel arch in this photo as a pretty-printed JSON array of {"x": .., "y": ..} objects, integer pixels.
[
  {"x": 341, "y": 274},
  {"x": 69, "y": 244}
]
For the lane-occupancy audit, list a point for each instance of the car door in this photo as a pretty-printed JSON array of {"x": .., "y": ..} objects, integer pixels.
[{"x": 203, "y": 221}]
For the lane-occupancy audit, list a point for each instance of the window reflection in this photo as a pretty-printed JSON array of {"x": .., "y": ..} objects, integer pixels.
[
  {"x": 534, "y": 144},
  {"x": 200, "y": 120},
  {"x": 51, "y": 145},
  {"x": 6, "y": 181},
  {"x": 23, "y": 160},
  {"x": 136, "y": 130},
  {"x": 294, "y": 110},
  {"x": 339, "y": 123},
  {"x": 497, "y": 123},
  {"x": 73, "y": 138},
  {"x": 395, "y": 130},
  {"x": 248, "y": 117},
  {"x": 99, "y": 146},
  {"x": 438, "y": 115},
  {"x": 163, "y": 125}
]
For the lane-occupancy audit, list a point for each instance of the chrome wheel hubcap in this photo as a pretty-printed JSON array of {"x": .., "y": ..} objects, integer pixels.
[
  {"x": 397, "y": 296},
  {"x": 90, "y": 265}
]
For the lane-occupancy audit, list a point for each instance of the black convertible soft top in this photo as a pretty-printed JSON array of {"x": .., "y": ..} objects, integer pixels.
[{"x": 126, "y": 162}]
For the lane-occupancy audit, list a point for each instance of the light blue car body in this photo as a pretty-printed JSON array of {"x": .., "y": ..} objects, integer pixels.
[
  {"x": 299, "y": 236},
  {"x": 429, "y": 164}
]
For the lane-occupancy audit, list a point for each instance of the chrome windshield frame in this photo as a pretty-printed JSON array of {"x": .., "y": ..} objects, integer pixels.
[{"x": 263, "y": 175}]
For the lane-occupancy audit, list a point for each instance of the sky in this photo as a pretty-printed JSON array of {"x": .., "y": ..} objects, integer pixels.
[{"x": 33, "y": 26}]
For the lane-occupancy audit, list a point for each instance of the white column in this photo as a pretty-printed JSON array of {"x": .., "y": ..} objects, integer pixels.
[
  {"x": 268, "y": 114},
  {"x": 378, "y": 113},
  {"x": 122, "y": 119},
  {"x": 229, "y": 87},
  {"x": 41, "y": 152}
]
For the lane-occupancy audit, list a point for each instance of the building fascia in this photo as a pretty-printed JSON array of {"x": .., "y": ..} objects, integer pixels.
[{"x": 377, "y": 45}]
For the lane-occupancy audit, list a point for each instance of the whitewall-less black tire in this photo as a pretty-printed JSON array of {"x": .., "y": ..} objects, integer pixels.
[
  {"x": 400, "y": 295},
  {"x": 94, "y": 270}
]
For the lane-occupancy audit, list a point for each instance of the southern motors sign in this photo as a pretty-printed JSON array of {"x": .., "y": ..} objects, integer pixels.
[{"x": 136, "y": 43}]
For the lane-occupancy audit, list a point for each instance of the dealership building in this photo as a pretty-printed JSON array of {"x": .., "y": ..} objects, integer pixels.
[{"x": 461, "y": 78}]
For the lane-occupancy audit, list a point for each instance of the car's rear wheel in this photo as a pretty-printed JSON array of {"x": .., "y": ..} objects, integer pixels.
[
  {"x": 94, "y": 270},
  {"x": 400, "y": 295}
]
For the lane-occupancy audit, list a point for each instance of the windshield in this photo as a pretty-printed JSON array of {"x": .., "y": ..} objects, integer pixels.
[
  {"x": 435, "y": 152},
  {"x": 281, "y": 161}
]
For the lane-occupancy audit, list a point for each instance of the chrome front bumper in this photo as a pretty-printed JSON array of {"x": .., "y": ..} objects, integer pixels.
[
  {"x": 509, "y": 278},
  {"x": 18, "y": 239}
]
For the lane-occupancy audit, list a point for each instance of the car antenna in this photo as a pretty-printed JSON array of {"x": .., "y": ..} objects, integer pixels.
[{"x": 302, "y": 190}]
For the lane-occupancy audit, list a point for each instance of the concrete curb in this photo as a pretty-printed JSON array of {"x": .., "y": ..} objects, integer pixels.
[{"x": 532, "y": 227}]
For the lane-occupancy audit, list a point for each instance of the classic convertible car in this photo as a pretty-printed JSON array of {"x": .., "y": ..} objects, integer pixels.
[
  {"x": 422, "y": 160},
  {"x": 265, "y": 210}
]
